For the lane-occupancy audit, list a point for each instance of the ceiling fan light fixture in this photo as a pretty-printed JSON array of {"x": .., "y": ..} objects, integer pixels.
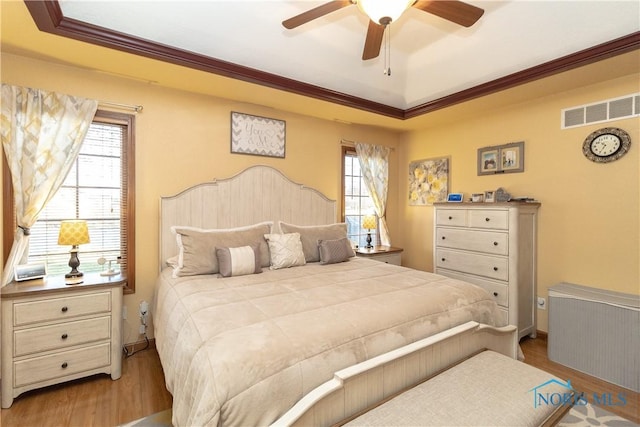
[{"x": 384, "y": 11}]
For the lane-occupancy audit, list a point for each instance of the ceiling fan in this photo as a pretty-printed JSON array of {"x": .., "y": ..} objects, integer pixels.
[{"x": 383, "y": 12}]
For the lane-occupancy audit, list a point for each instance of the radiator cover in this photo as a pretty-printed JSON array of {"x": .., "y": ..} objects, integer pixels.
[{"x": 596, "y": 332}]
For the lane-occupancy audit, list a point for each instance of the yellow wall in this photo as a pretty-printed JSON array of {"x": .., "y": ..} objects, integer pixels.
[
  {"x": 589, "y": 219},
  {"x": 182, "y": 138}
]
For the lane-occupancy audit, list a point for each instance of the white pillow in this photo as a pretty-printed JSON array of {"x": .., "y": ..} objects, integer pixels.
[
  {"x": 285, "y": 250},
  {"x": 239, "y": 261}
]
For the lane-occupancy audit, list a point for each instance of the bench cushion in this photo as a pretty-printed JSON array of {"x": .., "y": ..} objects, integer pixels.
[{"x": 488, "y": 389}]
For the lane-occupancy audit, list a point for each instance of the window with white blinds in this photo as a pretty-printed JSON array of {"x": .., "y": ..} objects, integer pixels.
[
  {"x": 98, "y": 189},
  {"x": 357, "y": 201}
]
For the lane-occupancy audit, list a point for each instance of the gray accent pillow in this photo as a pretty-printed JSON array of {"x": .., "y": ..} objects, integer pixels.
[
  {"x": 239, "y": 261},
  {"x": 333, "y": 251},
  {"x": 197, "y": 247},
  {"x": 310, "y": 234}
]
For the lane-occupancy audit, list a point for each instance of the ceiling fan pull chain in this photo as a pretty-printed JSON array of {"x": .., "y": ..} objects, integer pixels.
[{"x": 387, "y": 51}]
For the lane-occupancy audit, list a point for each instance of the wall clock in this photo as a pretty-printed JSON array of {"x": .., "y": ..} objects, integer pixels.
[{"x": 606, "y": 145}]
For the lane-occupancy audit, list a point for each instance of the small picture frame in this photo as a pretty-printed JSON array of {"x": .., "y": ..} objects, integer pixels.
[
  {"x": 507, "y": 158},
  {"x": 477, "y": 197},
  {"x": 489, "y": 196},
  {"x": 455, "y": 197},
  {"x": 258, "y": 136}
]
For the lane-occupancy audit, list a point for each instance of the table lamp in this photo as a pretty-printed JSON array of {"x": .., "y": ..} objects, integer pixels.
[
  {"x": 74, "y": 233},
  {"x": 369, "y": 223}
]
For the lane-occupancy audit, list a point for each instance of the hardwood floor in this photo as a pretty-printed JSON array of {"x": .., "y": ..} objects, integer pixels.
[{"x": 99, "y": 401}]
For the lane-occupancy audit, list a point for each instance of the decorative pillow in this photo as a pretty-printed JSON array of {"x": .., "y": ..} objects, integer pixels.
[
  {"x": 239, "y": 261},
  {"x": 285, "y": 249},
  {"x": 197, "y": 247},
  {"x": 310, "y": 234},
  {"x": 333, "y": 251}
]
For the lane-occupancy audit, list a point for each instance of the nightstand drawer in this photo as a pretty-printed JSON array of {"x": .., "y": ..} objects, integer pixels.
[
  {"x": 61, "y": 364},
  {"x": 61, "y": 335},
  {"x": 489, "y": 219},
  {"x": 482, "y": 265},
  {"x": 479, "y": 241},
  {"x": 61, "y": 308},
  {"x": 453, "y": 217}
]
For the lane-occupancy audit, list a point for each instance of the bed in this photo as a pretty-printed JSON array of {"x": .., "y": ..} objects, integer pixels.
[{"x": 295, "y": 307}]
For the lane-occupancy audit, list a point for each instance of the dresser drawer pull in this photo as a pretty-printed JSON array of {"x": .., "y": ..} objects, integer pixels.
[
  {"x": 443, "y": 260},
  {"x": 64, "y": 336},
  {"x": 443, "y": 238},
  {"x": 487, "y": 219},
  {"x": 495, "y": 294},
  {"x": 450, "y": 217},
  {"x": 495, "y": 268},
  {"x": 64, "y": 365},
  {"x": 64, "y": 309},
  {"x": 495, "y": 243}
]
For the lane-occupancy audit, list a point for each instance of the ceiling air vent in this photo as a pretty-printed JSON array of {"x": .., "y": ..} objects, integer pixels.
[{"x": 602, "y": 111}]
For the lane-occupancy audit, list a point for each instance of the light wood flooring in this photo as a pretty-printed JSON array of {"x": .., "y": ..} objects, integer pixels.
[{"x": 99, "y": 401}]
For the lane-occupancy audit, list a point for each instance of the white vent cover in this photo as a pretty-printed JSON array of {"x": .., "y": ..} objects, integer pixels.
[{"x": 602, "y": 111}]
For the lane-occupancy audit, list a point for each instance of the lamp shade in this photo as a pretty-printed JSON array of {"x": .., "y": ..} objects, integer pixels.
[
  {"x": 369, "y": 222},
  {"x": 73, "y": 232},
  {"x": 384, "y": 11}
]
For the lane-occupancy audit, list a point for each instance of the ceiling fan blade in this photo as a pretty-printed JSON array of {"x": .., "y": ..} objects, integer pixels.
[
  {"x": 372, "y": 43},
  {"x": 314, "y": 13},
  {"x": 452, "y": 10}
]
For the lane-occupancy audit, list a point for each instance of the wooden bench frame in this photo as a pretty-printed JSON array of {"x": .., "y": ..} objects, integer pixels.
[{"x": 358, "y": 388}]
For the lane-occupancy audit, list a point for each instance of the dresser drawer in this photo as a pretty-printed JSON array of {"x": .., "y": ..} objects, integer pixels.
[
  {"x": 494, "y": 219},
  {"x": 480, "y": 241},
  {"x": 61, "y": 335},
  {"x": 60, "y": 308},
  {"x": 483, "y": 265},
  {"x": 58, "y": 365},
  {"x": 498, "y": 291},
  {"x": 453, "y": 217}
]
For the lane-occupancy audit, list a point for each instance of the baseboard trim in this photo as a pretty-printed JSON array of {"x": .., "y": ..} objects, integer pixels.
[
  {"x": 542, "y": 335},
  {"x": 140, "y": 345}
]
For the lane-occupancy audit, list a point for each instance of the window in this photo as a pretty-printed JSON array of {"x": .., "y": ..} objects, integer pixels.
[
  {"x": 99, "y": 189},
  {"x": 356, "y": 200}
]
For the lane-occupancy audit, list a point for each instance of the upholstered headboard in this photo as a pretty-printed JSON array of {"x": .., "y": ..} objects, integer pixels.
[{"x": 259, "y": 193}]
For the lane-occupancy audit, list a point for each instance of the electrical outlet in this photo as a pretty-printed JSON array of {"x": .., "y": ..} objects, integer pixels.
[
  {"x": 124, "y": 312},
  {"x": 542, "y": 303},
  {"x": 143, "y": 329}
]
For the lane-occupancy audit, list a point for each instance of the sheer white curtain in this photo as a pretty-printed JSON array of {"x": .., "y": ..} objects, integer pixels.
[
  {"x": 374, "y": 163},
  {"x": 41, "y": 135}
]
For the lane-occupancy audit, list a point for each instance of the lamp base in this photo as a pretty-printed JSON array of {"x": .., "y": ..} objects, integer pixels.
[{"x": 369, "y": 245}]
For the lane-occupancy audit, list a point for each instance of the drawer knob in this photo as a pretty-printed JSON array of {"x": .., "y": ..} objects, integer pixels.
[
  {"x": 487, "y": 219},
  {"x": 65, "y": 309},
  {"x": 64, "y": 336},
  {"x": 495, "y": 268},
  {"x": 443, "y": 259},
  {"x": 450, "y": 217},
  {"x": 495, "y": 243},
  {"x": 443, "y": 238},
  {"x": 495, "y": 294},
  {"x": 64, "y": 365}
]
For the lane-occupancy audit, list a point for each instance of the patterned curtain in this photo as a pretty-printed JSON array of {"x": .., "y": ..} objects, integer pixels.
[
  {"x": 374, "y": 163},
  {"x": 41, "y": 135}
]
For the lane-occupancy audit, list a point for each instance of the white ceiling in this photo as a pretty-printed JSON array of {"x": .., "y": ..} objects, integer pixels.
[{"x": 430, "y": 58}]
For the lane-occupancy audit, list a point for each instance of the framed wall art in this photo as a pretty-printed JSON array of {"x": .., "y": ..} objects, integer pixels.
[
  {"x": 507, "y": 158},
  {"x": 428, "y": 181},
  {"x": 259, "y": 136}
]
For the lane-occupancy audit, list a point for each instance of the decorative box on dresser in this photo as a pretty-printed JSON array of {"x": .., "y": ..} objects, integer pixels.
[
  {"x": 492, "y": 245},
  {"x": 53, "y": 332}
]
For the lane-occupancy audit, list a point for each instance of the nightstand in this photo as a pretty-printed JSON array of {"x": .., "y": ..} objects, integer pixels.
[
  {"x": 387, "y": 254},
  {"x": 53, "y": 332}
]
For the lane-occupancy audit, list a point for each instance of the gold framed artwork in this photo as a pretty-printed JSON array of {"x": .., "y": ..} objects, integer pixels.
[
  {"x": 428, "y": 181},
  {"x": 507, "y": 158}
]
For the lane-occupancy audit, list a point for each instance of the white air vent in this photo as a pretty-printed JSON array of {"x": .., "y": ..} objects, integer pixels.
[{"x": 601, "y": 111}]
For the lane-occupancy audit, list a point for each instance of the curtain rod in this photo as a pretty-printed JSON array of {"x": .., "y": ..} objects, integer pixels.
[
  {"x": 349, "y": 143},
  {"x": 136, "y": 108}
]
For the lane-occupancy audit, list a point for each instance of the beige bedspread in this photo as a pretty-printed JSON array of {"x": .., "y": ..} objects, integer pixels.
[{"x": 242, "y": 350}]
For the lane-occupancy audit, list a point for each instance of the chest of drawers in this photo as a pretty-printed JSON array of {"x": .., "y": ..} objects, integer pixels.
[
  {"x": 52, "y": 332},
  {"x": 492, "y": 245}
]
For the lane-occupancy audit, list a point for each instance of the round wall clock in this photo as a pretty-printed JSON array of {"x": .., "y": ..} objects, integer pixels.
[{"x": 606, "y": 145}]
